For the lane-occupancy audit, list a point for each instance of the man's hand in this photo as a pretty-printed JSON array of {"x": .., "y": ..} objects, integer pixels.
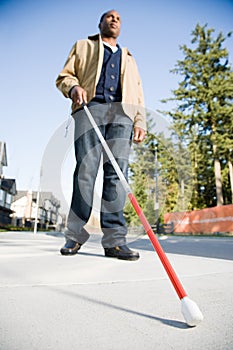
[
  {"x": 139, "y": 134},
  {"x": 78, "y": 95}
]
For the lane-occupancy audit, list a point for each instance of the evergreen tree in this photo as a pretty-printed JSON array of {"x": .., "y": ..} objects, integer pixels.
[
  {"x": 141, "y": 178},
  {"x": 203, "y": 117},
  {"x": 159, "y": 176}
]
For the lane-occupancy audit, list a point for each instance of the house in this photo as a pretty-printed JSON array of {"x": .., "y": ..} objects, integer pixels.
[
  {"x": 26, "y": 210},
  {"x": 7, "y": 190}
]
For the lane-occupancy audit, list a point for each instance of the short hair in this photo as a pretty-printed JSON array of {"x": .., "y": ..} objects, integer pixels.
[{"x": 103, "y": 15}]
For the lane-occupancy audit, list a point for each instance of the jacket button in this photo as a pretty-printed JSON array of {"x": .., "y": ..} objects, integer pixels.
[
  {"x": 112, "y": 65},
  {"x": 111, "y": 98},
  {"x": 112, "y": 76},
  {"x": 111, "y": 88}
]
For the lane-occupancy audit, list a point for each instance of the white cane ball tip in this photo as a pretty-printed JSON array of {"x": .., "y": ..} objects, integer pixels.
[{"x": 191, "y": 312}]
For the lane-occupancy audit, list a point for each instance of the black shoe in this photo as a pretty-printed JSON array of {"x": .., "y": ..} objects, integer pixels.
[
  {"x": 123, "y": 253},
  {"x": 70, "y": 248}
]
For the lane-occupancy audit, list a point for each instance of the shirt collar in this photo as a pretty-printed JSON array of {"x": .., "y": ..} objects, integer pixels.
[{"x": 113, "y": 48}]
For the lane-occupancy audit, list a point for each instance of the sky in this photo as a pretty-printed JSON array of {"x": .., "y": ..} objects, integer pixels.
[{"x": 35, "y": 40}]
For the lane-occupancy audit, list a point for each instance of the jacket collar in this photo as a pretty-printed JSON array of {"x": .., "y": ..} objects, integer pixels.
[
  {"x": 97, "y": 37},
  {"x": 94, "y": 37}
]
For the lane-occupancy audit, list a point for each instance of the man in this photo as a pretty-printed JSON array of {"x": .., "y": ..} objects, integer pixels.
[{"x": 105, "y": 77}]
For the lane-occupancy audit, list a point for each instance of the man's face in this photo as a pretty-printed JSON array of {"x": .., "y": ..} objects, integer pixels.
[{"x": 111, "y": 24}]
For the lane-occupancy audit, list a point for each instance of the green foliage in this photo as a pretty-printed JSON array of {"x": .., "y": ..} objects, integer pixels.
[
  {"x": 141, "y": 177},
  {"x": 186, "y": 173},
  {"x": 157, "y": 169},
  {"x": 203, "y": 116}
]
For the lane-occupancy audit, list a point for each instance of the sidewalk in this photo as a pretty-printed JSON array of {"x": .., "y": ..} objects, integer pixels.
[{"x": 87, "y": 301}]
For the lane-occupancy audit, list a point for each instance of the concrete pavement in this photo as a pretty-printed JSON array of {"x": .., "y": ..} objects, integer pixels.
[{"x": 87, "y": 301}]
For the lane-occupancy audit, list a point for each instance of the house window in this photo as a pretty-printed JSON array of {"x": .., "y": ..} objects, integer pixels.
[
  {"x": 2, "y": 198},
  {"x": 8, "y": 200}
]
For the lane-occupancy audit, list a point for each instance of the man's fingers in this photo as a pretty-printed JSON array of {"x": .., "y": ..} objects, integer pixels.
[
  {"x": 79, "y": 100},
  {"x": 84, "y": 96},
  {"x": 135, "y": 134},
  {"x": 78, "y": 95},
  {"x": 139, "y": 135}
]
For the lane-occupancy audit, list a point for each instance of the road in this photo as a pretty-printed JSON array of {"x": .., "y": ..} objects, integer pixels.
[
  {"x": 88, "y": 302},
  {"x": 209, "y": 247}
]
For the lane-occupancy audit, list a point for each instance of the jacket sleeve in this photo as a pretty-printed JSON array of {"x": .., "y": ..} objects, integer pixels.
[
  {"x": 68, "y": 78},
  {"x": 132, "y": 91},
  {"x": 140, "y": 118}
]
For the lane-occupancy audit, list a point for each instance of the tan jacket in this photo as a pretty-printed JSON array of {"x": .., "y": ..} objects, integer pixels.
[{"x": 83, "y": 68}]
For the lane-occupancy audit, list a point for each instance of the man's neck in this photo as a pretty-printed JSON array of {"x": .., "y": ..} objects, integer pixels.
[{"x": 111, "y": 41}]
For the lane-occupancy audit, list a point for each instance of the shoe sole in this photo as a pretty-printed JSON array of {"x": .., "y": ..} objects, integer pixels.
[
  {"x": 68, "y": 253},
  {"x": 133, "y": 258}
]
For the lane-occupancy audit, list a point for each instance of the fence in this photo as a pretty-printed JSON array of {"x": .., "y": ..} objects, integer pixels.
[{"x": 209, "y": 220}]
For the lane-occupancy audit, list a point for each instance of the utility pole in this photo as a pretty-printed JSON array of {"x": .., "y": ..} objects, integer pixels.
[
  {"x": 37, "y": 203},
  {"x": 37, "y": 210},
  {"x": 156, "y": 190}
]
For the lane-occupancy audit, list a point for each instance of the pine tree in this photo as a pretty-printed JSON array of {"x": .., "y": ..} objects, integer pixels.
[
  {"x": 204, "y": 113},
  {"x": 141, "y": 178},
  {"x": 159, "y": 176}
]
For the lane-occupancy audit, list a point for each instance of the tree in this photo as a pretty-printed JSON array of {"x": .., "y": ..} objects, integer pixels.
[
  {"x": 203, "y": 116},
  {"x": 141, "y": 177},
  {"x": 159, "y": 176}
]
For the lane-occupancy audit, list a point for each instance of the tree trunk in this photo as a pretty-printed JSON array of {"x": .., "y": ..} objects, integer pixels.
[
  {"x": 218, "y": 179},
  {"x": 231, "y": 178}
]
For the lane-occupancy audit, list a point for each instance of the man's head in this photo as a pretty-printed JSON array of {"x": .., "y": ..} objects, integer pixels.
[{"x": 110, "y": 24}]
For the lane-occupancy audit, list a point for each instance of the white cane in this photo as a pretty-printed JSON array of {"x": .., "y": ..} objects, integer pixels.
[{"x": 189, "y": 308}]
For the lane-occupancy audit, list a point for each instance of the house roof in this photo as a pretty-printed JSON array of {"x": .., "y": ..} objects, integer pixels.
[
  {"x": 44, "y": 195},
  {"x": 3, "y": 157},
  {"x": 8, "y": 185}
]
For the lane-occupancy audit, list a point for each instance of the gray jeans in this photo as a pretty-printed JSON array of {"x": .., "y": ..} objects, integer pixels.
[{"x": 116, "y": 127}]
